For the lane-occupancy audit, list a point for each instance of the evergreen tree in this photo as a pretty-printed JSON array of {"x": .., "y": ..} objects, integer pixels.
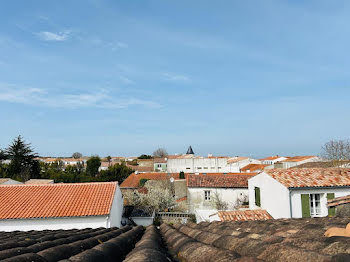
[{"x": 23, "y": 165}]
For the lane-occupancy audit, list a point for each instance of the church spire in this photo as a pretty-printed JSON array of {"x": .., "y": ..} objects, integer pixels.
[{"x": 190, "y": 151}]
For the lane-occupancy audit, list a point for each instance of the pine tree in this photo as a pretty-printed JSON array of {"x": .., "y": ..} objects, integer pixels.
[{"x": 23, "y": 165}]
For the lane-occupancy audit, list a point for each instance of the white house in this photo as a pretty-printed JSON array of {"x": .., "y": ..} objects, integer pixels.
[
  {"x": 204, "y": 190},
  {"x": 60, "y": 206},
  {"x": 9, "y": 181},
  {"x": 296, "y": 193},
  {"x": 272, "y": 160},
  {"x": 295, "y": 161}
]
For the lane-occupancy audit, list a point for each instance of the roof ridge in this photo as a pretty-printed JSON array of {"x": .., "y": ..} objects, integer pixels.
[{"x": 62, "y": 184}]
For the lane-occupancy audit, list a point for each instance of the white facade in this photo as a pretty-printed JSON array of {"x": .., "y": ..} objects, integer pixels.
[
  {"x": 207, "y": 164},
  {"x": 282, "y": 202},
  {"x": 272, "y": 161},
  {"x": 197, "y": 197},
  {"x": 289, "y": 164}
]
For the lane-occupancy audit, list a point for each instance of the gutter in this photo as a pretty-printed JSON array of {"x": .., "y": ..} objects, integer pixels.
[{"x": 290, "y": 203}]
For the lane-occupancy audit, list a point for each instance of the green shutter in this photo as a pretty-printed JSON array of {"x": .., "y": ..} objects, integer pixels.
[
  {"x": 257, "y": 196},
  {"x": 305, "y": 205},
  {"x": 331, "y": 210}
]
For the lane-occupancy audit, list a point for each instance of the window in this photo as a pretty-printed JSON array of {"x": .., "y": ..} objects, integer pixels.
[
  {"x": 315, "y": 205},
  {"x": 257, "y": 196},
  {"x": 207, "y": 195},
  {"x": 205, "y": 167},
  {"x": 213, "y": 167},
  {"x": 199, "y": 168},
  {"x": 188, "y": 168},
  {"x": 159, "y": 165},
  {"x": 219, "y": 167}
]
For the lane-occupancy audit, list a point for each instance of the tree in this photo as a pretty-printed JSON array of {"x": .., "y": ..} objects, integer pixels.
[
  {"x": 117, "y": 172},
  {"x": 77, "y": 155},
  {"x": 337, "y": 151},
  {"x": 92, "y": 165},
  {"x": 219, "y": 203},
  {"x": 109, "y": 158},
  {"x": 23, "y": 165},
  {"x": 2, "y": 155},
  {"x": 160, "y": 152},
  {"x": 143, "y": 156}
]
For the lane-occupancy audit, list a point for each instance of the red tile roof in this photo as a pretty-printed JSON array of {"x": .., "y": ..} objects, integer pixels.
[
  {"x": 253, "y": 167},
  {"x": 311, "y": 177},
  {"x": 297, "y": 158},
  {"x": 244, "y": 215},
  {"x": 339, "y": 201},
  {"x": 133, "y": 180},
  {"x": 182, "y": 199},
  {"x": 239, "y": 180},
  {"x": 270, "y": 158},
  {"x": 56, "y": 200}
]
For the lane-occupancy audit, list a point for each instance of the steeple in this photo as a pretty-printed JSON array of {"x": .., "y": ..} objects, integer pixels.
[{"x": 190, "y": 151}]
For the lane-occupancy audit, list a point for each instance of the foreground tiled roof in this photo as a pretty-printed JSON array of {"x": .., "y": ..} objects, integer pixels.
[
  {"x": 112, "y": 244},
  {"x": 244, "y": 215},
  {"x": 339, "y": 201},
  {"x": 311, "y": 177},
  {"x": 282, "y": 240},
  {"x": 133, "y": 181},
  {"x": 253, "y": 167},
  {"x": 56, "y": 200},
  {"x": 219, "y": 181}
]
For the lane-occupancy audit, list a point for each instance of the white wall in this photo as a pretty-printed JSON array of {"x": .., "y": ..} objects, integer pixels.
[
  {"x": 296, "y": 198},
  {"x": 271, "y": 162},
  {"x": 292, "y": 164},
  {"x": 116, "y": 211},
  {"x": 143, "y": 221},
  {"x": 195, "y": 197},
  {"x": 274, "y": 197},
  {"x": 53, "y": 223},
  {"x": 207, "y": 165}
]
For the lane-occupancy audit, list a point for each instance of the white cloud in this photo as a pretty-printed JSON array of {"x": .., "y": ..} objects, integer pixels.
[
  {"x": 50, "y": 36},
  {"x": 175, "y": 77},
  {"x": 42, "y": 97}
]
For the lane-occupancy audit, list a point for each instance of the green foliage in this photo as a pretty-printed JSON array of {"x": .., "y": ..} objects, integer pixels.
[
  {"x": 92, "y": 165},
  {"x": 117, "y": 172},
  {"x": 143, "y": 156},
  {"x": 133, "y": 162},
  {"x": 77, "y": 155},
  {"x": 182, "y": 175},
  {"x": 23, "y": 165},
  {"x": 143, "y": 181}
]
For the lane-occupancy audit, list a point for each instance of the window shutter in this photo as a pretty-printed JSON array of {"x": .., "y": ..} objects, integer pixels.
[
  {"x": 331, "y": 210},
  {"x": 305, "y": 205},
  {"x": 257, "y": 196}
]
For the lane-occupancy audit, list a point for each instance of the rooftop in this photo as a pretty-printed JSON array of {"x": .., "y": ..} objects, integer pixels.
[
  {"x": 56, "y": 200},
  {"x": 270, "y": 158},
  {"x": 298, "y": 158},
  {"x": 39, "y": 181},
  {"x": 229, "y": 180},
  {"x": 253, "y": 167},
  {"x": 133, "y": 181},
  {"x": 244, "y": 215},
  {"x": 311, "y": 177}
]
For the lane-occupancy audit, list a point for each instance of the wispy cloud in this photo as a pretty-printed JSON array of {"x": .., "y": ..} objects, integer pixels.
[
  {"x": 41, "y": 97},
  {"x": 51, "y": 36},
  {"x": 175, "y": 77}
]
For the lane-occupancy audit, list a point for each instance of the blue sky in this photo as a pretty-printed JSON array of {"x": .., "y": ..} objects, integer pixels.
[{"x": 126, "y": 77}]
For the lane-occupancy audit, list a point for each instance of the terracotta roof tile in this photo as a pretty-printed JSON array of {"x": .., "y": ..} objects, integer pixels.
[
  {"x": 311, "y": 177},
  {"x": 56, "y": 200},
  {"x": 297, "y": 158},
  {"x": 339, "y": 201},
  {"x": 133, "y": 180},
  {"x": 253, "y": 167},
  {"x": 244, "y": 215},
  {"x": 239, "y": 180}
]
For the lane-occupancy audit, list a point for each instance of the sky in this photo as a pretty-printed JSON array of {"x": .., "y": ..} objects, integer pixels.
[{"x": 122, "y": 77}]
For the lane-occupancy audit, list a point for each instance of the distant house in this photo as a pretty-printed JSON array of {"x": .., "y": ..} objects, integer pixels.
[
  {"x": 133, "y": 181},
  {"x": 160, "y": 164},
  {"x": 105, "y": 165},
  {"x": 295, "y": 161},
  {"x": 60, "y": 206},
  {"x": 235, "y": 164},
  {"x": 272, "y": 160},
  {"x": 39, "y": 181},
  {"x": 9, "y": 181},
  {"x": 72, "y": 161},
  {"x": 298, "y": 192},
  {"x": 253, "y": 168},
  {"x": 203, "y": 190}
]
